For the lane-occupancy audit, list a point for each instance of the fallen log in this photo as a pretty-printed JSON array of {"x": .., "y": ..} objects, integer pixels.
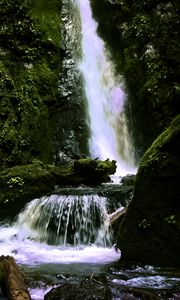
[
  {"x": 12, "y": 280},
  {"x": 117, "y": 215}
]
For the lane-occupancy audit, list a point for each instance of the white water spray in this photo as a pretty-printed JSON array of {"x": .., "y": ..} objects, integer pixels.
[
  {"x": 60, "y": 229},
  {"x": 106, "y": 98}
]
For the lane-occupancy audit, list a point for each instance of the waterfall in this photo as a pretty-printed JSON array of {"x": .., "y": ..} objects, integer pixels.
[
  {"x": 60, "y": 229},
  {"x": 67, "y": 220},
  {"x": 105, "y": 96}
]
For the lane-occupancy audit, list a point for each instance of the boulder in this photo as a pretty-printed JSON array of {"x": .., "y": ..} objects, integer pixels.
[
  {"x": 94, "y": 287},
  {"x": 12, "y": 280},
  {"x": 149, "y": 233}
]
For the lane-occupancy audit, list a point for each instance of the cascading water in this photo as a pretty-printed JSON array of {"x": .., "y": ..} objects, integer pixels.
[
  {"x": 106, "y": 98},
  {"x": 53, "y": 232},
  {"x": 68, "y": 220},
  {"x": 60, "y": 229}
]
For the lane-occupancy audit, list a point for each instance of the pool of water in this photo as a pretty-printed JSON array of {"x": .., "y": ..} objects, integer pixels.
[{"x": 48, "y": 266}]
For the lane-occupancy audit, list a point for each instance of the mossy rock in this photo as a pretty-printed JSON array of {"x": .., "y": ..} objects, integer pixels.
[
  {"x": 20, "y": 184},
  {"x": 96, "y": 171},
  {"x": 150, "y": 230}
]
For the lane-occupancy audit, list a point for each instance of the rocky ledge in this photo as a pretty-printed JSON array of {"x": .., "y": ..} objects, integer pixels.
[{"x": 20, "y": 184}]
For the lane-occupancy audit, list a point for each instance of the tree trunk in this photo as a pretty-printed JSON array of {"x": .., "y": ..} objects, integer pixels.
[{"x": 13, "y": 281}]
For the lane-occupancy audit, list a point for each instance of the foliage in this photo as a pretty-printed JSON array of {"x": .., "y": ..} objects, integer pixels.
[
  {"x": 170, "y": 219},
  {"x": 144, "y": 224},
  {"x": 15, "y": 181},
  {"x": 29, "y": 74}
]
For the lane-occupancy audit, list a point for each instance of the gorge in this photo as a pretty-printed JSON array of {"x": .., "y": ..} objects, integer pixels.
[{"x": 64, "y": 98}]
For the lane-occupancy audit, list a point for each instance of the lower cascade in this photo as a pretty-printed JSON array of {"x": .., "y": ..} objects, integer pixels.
[
  {"x": 67, "y": 220},
  {"x": 60, "y": 229}
]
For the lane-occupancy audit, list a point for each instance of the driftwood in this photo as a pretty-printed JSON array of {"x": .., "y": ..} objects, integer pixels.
[
  {"x": 13, "y": 281},
  {"x": 117, "y": 215}
]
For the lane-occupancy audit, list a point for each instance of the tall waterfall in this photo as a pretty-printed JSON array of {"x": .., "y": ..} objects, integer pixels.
[{"x": 105, "y": 96}]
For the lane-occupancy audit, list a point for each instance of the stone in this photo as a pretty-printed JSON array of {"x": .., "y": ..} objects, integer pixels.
[
  {"x": 88, "y": 289},
  {"x": 149, "y": 233},
  {"x": 13, "y": 283}
]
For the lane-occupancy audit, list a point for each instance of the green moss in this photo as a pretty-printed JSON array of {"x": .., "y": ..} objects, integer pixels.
[
  {"x": 152, "y": 221},
  {"x": 48, "y": 15},
  {"x": 162, "y": 153},
  {"x": 96, "y": 171},
  {"x": 170, "y": 219},
  {"x": 29, "y": 74}
]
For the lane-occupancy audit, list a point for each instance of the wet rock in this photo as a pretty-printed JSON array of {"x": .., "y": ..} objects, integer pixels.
[
  {"x": 128, "y": 180},
  {"x": 129, "y": 293},
  {"x": 95, "y": 170},
  {"x": 12, "y": 279},
  {"x": 90, "y": 288},
  {"x": 150, "y": 230}
]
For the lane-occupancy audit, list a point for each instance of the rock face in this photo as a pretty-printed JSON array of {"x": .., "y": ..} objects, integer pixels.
[
  {"x": 86, "y": 290},
  {"x": 150, "y": 230},
  {"x": 37, "y": 120}
]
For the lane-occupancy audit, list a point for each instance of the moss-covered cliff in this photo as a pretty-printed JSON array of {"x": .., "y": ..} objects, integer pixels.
[
  {"x": 36, "y": 120},
  {"x": 29, "y": 71},
  {"x": 143, "y": 37},
  {"x": 150, "y": 230}
]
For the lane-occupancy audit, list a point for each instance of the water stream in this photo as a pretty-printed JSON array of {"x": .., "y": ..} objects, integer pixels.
[
  {"x": 60, "y": 229},
  {"x": 106, "y": 98},
  {"x": 64, "y": 239},
  {"x": 59, "y": 234}
]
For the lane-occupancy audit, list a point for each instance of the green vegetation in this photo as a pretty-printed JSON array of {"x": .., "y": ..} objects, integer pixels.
[
  {"x": 144, "y": 224},
  {"x": 96, "y": 171},
  {"x": 29, "y": 73},
  {"x": 161, "y": 153},
  {"x": 47, "y": 14},
  {"x": 170, "y": 219}
]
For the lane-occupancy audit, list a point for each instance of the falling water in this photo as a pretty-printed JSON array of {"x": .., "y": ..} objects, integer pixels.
[
  {"x": 67, "y": 220},
  {"x": 60, "y": 229},
  {"x": 106, "y": 98}
]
